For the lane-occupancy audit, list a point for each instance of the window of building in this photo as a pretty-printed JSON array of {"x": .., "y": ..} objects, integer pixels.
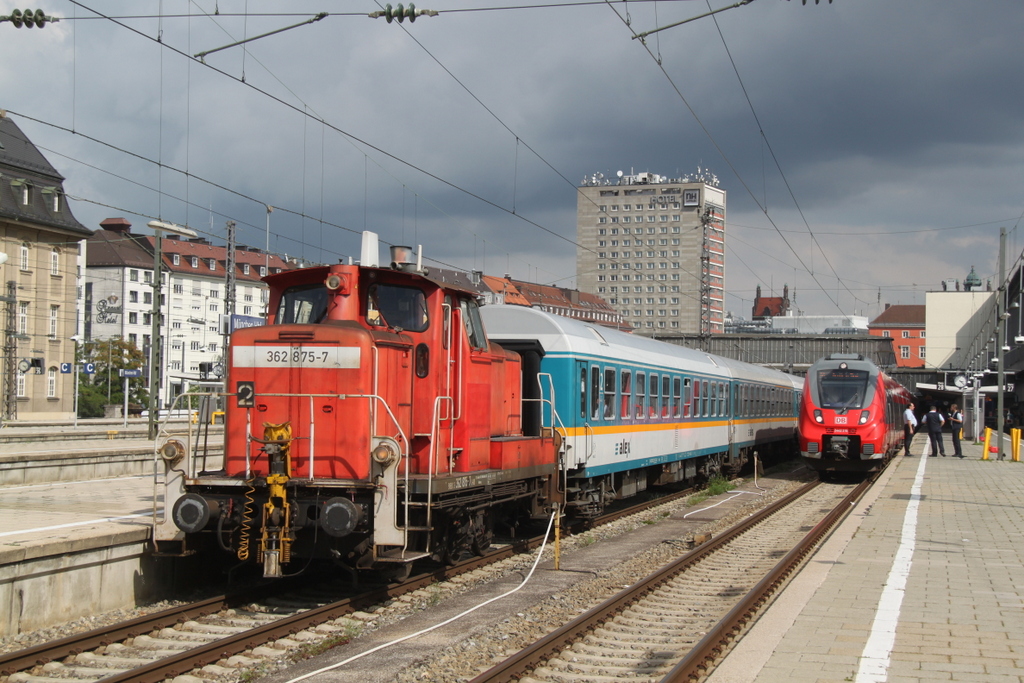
[
  {"x": 922, "y": 351},
  {"x": 21, "y": 385},
  {"x": 54, "y": 311},
  {"x": 176, "y": 259},
  {"x": 51, "y": 383},
  {"x": 906, "y": 334},
  {"x": 178, "y": 288},
  {"x": 245, "y": 269},
  {"x": 54, "y": 262},
  {"x": 133, "y": 318},
  {"x": 195, "y": 261},
  {"x": 885, "y": 333},
  {"x": 22, "y": 317},
  {"x": 147, "y": 318},
  {"x": 922, "y": 334},
  {"x": 133, "y": 296},
  {"x": 213, "y": 264},
  {"x": 904, "y": 352},
  {"x": 147, "y": 297}
]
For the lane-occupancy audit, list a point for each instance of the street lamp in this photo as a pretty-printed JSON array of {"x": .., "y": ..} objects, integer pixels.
[{"x": 155, "y": 346}]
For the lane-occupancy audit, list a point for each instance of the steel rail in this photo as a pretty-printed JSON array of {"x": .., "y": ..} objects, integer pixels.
[
  {"x": 226, "y": 647},
  {"x": 704, "y": 654},
  {"x": 522, "y": 662}
]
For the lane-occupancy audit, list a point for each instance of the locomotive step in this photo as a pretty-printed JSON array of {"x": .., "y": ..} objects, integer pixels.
[{"x": 399, "y": 555}]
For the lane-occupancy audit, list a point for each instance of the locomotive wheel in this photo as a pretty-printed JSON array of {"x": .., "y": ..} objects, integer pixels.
[{"x": 483, "y": 533}]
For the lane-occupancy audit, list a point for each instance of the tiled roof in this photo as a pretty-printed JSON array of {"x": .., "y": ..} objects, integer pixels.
[{"x": 900, "y": 315}]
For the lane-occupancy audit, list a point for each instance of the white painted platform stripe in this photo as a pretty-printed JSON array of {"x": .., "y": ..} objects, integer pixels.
[
  {"x": 74, "y": 524},
  {"x": 874, "y": 660}
]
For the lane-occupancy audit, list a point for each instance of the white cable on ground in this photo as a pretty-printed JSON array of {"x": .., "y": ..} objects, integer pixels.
[
  {"x": 724, "y": 500},
  {"x": 756, "y": 486},
  {"x": 540, "y": 554}
]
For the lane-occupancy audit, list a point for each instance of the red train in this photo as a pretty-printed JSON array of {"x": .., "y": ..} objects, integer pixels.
[
  {"x": 370, "y": 421},
  {"x": 851, "y": 415}
]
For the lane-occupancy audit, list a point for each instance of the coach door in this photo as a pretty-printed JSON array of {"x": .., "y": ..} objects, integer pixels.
[{"x": 587, "y": 410}]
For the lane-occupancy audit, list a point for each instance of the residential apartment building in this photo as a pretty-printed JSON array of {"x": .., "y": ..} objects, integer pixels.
[
  {"x": 42, "y": 247},
  {"x": 905, "y": 324},
  {"x": 654, "y": 248},
  {"x": 119, "y": 298}
]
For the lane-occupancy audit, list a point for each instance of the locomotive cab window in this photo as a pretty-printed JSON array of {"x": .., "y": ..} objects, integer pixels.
[
  {"x": 400, "y": 308},
  {"x": 303, "y": 305},
  {"x": 474, "y": 325}
]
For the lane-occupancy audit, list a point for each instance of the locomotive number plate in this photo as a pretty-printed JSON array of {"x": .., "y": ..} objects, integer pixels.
[
  {"x": 840, "y": 419},
  {"x": 296, "y": 356}
]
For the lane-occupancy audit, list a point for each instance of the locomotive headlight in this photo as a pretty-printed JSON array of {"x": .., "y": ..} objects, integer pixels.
[
  {"x": 817, "y": 416},
  {"x": 384, "y": 455},
  {"x": 864, "y": 416}
]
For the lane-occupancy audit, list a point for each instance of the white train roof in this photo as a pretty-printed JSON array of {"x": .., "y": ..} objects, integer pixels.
[{"x": 565, "y": 336}]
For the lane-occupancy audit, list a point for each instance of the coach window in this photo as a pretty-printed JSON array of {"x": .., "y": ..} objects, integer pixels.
[
  {"x": 687, "y": 396},
  {"x": 696, "y": 398},
  {"x": 652, "y": 386},
  {"x": 627, "y": 393},
  {"x": 677, "y": 394},
  {"x": 641, "y": 394},
  {"x": 595, "y": 392},
  {"x": 714, "y": 399},
  {"x": 723, "y": 399},
  {"x": 583, "y": 392},
  {"x": 704, "y": 399},
  {"x": 609, "y": 393}
]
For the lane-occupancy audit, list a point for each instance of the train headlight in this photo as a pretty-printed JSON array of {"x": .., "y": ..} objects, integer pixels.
[
  {"x": 865, "y": 415},
  {"x": 818, "y": 417},
  {"x": 384, "y": 454}
]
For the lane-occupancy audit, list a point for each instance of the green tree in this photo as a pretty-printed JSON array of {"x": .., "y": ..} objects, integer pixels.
[{"x": 105, "y": 385}]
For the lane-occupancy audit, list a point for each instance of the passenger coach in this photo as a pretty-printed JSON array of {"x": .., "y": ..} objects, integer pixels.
[{"x": 636, "y": 411}]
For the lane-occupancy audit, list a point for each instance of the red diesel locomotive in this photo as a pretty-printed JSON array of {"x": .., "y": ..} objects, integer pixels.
[
  {"x": 370, "y": 421},
  {"x": 851, "y": 415}
]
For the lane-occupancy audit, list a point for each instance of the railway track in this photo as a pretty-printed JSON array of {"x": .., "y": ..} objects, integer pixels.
[
  {"x": 671, "y": 626},
  {"x": 188, "y": 637}
]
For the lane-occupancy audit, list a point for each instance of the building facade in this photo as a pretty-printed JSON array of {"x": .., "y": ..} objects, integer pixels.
[
  {"x": 905, "y": 325},
  {"x": 654, "y": 248},
  {"x": 194, "y": 309},
  {"x": 42, "y": 243}
]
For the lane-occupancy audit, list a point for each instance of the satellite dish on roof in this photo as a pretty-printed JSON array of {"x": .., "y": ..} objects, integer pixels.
[{"x": 618, "y": 173}]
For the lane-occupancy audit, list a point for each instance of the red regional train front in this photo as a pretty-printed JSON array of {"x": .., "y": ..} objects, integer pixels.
[
  {"x": 370, "y": 422},
  {"x": 851, "y": 415}
]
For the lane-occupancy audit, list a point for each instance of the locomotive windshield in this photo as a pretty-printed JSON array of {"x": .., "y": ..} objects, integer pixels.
[
  {"x": 842, "y": 389},
  {"x": 302, "y": 305},
  {"x": 400, "y": 308}
]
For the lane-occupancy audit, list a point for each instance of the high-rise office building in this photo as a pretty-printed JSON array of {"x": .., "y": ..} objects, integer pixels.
[{"x": 654, "y": 248}]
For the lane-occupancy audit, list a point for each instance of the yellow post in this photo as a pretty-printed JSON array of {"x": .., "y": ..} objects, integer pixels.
[
  {"x": 1015, "y": 444},
  {"x": 558, "y": 537},
  {"x": 988, "y": 437}
]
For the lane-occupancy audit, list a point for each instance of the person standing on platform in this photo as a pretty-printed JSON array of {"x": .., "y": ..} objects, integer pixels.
[
  {"x": 934, "y": 421},
  {"x": 956, "y": 424},
  {"x": 909, "y": 425}
]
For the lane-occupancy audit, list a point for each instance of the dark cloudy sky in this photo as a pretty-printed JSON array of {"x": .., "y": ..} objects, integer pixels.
[{"x": 881, "y": 149}]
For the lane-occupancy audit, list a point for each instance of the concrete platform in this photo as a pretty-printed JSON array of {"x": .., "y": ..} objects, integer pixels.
[
  {"x": 71, "y": 549},
  {"x": 924, "y": 581}
]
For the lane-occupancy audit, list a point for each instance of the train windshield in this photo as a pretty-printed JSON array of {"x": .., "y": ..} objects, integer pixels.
[
  {"x": 400, "y": 308},
  {"x": 302, "y": 305},
  {"x": 842, "y": 389}
]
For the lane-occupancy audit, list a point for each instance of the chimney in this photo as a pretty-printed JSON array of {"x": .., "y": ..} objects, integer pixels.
[
  {"x": 887, "y": 306},
  {"x": 120, "y": 225}
]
